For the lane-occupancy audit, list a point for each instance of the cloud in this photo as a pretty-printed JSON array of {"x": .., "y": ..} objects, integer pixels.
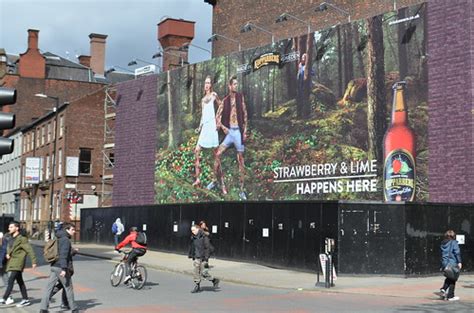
[{"x": 131, "y": 26}]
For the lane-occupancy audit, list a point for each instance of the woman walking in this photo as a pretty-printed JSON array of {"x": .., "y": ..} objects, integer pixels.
[{"x": 450, "y": 258}]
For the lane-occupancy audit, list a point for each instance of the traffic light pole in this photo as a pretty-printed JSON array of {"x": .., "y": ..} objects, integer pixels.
[{"x": 7, "y": 120}]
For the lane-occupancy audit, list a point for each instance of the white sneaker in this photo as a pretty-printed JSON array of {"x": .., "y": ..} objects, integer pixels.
[
  {"x": 127, "y": 278},
  {"x": 453, "y": 299},
  {"x": 9, "y": 301},
  {"x": 23, "y": 303}
]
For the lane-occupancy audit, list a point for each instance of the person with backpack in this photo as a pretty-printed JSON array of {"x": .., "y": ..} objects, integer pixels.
[
  {"x": 51, "y": 255},
  {"x": 61, "y": 269},
  {"x": 199, "y": 252},
  {"x": 138, "y": 242},
  {"x": 16, "y": 256},
  {"x": 450, "y": 261},
  {"x": 117, "y": 230}
]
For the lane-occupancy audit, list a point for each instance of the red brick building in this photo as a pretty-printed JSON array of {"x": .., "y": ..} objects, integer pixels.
[
  {"x": 228, "y": 18},
  {"x": 81, "y": 93}
]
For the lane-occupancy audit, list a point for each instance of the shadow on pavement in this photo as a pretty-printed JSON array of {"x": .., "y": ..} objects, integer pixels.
[{"x": 87, "y": 304}]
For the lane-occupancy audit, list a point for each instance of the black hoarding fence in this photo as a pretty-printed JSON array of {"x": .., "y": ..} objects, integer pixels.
[{"x": 371, "y": 237}]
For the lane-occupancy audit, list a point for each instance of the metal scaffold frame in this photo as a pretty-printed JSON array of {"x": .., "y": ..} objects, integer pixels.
[{"x": 109, "y": 145}]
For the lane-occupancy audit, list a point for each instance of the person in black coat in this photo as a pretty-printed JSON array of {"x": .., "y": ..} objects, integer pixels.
[
  {"x": 199, "y": 251},
  {"x": 61, "y": 270}
]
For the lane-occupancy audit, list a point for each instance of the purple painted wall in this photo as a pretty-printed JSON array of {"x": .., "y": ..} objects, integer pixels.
[
  {"x": 450, "y": 110},
  {"x": 135, "y": 133}
]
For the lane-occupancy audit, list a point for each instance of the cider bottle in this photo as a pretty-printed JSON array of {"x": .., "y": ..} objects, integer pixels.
[{"x": 399, "y": 152}]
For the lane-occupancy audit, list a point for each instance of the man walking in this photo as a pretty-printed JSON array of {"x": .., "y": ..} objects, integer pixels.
[
  {"x": 232, "y": 119},
  {"x": 16, "y": 257},
  {"x": 61, "y": 270},
  {"x": 117, "y": 230},
  {"x": 199, "y": 251}
]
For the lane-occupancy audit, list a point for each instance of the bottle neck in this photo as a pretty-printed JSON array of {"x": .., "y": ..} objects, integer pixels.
[{"x": 399, "y": 112}]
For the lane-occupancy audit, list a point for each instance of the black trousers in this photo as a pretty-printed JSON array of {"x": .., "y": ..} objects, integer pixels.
[
  {"x": 449, "y": 285},
  {"x": 132, "y": 258},
  {"x": 18, "y": 276}
]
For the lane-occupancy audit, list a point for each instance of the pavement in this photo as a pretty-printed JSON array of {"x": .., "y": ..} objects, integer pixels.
[{"x": 259, "y": 275}]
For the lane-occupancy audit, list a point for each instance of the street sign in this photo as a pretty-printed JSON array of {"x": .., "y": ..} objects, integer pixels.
[{"x": 32, "y": 170}]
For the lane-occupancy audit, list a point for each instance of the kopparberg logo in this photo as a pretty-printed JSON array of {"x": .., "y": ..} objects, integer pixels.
[{"x": 271, "y": 58}]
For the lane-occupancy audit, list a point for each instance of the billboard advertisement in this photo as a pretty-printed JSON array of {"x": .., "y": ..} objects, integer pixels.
[{"x": 339, "y": 113}]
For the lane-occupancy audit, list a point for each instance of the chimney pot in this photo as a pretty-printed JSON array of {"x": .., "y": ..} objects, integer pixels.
[
  {"x": 173, "y": 34},
  {"x": 85, "y": 60}
]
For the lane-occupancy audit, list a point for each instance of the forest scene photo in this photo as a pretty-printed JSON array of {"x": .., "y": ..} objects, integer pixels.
[{"x": 304, "y": 118}]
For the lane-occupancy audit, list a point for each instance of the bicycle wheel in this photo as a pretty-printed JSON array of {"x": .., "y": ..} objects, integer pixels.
[
  {"x": 139, "y": 277},
  {"x": 117, "y": 274}
]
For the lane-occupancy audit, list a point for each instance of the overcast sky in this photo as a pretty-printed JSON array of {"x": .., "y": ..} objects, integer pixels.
[{"x": 131, "y": 26}]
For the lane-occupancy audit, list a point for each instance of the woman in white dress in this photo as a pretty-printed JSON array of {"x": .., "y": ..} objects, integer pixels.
[{"x": 208, "y": 137}]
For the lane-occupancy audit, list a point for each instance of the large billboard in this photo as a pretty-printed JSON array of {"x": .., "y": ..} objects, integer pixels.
[{"x": 334, "y": 114}]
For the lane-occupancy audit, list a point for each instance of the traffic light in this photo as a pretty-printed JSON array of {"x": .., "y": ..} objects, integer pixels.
[{"x": 7, "y": 120}]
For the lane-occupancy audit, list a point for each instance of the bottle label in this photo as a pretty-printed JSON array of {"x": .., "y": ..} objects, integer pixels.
[{"x": 399, "y": 176}]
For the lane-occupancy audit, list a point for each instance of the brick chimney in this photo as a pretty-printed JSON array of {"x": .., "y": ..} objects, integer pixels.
[
  {"x": 32, "y": 63},
  {"x": 172, "y": 35},
  {"x": 97, "y": 58},
  {"x": 85, "y": 60}
]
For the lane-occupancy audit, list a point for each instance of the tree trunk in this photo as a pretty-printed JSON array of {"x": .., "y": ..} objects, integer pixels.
[
  {"x": 301, "y": 81},
  {"x": 360, "y": 59},
  {"x": 194, "y": 101},
  {"x": 376, "y": 105},
  {"x": 402, "y": 48},
  {"x": 306, "y": 104},
  {"x": 348, "y": 55},
  {"x": 291, "y": 70},
  {"x": 339, "y": 62}
]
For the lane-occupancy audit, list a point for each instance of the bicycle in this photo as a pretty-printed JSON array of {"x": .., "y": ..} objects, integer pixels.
[{"x": 137, "y": 272}]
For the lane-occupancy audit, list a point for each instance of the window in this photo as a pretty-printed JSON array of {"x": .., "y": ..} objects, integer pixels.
[
  {"x": 47, "y": 166},
  {"x": 43, "y": 134},
  {"x": 85, "y": 161},
  {"x": 61, "y": 125},
  {"x": 60, "y": 163},
  {"x": 36, "y": 208},
  {"x": 54, "y": 129},
  {"x": 38, "y": 137},
  {"x": 49, "y": 132}
]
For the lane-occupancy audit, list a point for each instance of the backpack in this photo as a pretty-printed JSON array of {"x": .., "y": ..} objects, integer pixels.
[
  {"x": 50, "y": 251},
  {"x": 114, "y": 228},
  {"x": 141, "y": 238}
]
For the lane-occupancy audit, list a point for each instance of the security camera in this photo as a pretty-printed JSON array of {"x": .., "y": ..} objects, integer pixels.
[{"x": 93, "y": 187}]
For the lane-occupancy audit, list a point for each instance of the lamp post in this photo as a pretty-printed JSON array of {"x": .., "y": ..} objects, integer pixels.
[
  {"x": 284, "y": 17},
  {"x": 114, "y": 69},
  {"x": 216, "y": 37},
  {"x": 324, "y": 6},
  {"x": 249, "y": 26},
  {"x": 159, "y": 54},
  {"x": 185, "y": 47},
  {"x": 53, "y": 161}
]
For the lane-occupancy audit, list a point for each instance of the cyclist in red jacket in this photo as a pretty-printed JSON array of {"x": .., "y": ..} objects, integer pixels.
[{"x": 138, "y": 249}]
